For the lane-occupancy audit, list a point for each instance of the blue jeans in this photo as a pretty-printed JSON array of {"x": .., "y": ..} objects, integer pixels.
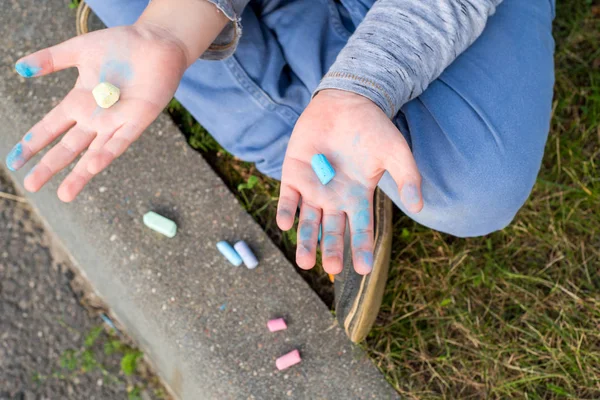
[{"x": 477, "y": 133}]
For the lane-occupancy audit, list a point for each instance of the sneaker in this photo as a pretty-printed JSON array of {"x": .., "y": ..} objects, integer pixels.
[{"x": 358, "y": 297}]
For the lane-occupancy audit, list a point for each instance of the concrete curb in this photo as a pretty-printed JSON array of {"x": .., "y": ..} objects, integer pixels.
[{"x": 201, "y": 321}]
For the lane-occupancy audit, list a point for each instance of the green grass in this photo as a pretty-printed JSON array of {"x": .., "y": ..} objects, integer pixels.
[
  {"x": 105, "y": 355},
  {"x": 516, "y": 314}
]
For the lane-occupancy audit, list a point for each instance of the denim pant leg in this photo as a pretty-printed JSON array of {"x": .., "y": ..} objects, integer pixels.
[{"x": 478, "y": 132}]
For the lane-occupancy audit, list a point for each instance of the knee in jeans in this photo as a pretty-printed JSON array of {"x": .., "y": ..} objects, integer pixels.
[{"x": 484, "y": 199}]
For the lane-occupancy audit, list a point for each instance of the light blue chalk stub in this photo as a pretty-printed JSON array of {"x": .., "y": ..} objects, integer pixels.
[
  {"x": 160, "y": 224},
  {"x": 322, "y": 168},
  {"x": 230, "y": 254},
  {"x": 246, "y": 253}
]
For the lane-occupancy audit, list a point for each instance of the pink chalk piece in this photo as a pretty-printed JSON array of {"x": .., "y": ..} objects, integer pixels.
[
  {"x": 287, "y": 360},
  {"x": 275, "y": 325}
]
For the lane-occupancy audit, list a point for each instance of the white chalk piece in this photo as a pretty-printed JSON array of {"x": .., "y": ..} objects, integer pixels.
[
  {"x": 106, "y": 94},
  {"x": 160, "y": 224},
  {"x": 246, "y": 253},
  {"x": 230, "y": 254}
]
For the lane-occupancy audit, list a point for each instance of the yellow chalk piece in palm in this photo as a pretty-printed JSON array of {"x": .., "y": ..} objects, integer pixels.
[{"x": 106, "y": 94}]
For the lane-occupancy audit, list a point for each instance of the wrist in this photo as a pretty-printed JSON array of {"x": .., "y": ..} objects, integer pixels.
[
  {"x": 343, "y": 95},
  {"x": 192, "y": 25}
]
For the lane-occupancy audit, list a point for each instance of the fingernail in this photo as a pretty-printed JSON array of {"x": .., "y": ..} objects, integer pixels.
[
  {"x": 366, "y": 258},
  {"x": 26, "y": 70},
  {"x": 15, "y": 157},
  {"x": 410, "y": 195}
]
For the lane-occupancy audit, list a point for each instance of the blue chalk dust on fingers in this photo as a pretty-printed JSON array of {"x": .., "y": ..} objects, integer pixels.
[
  {"x": 306, "y": 232},
  {"x": 28, "y": 137},
  {"x": 322, "y": 168},
  {"x": 229, "y": 252},
  {"x": 302, "y": 250},
  {"x": 15, "y": 157},
  {"x": 361, "y": 220},
  {"x": 366, "y": 258},
  {"x": 410, "y": 194},
  {"x": 26, "y": 70}
]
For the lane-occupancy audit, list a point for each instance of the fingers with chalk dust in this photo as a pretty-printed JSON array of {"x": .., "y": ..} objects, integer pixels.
[{"x": 359, "y": 143}]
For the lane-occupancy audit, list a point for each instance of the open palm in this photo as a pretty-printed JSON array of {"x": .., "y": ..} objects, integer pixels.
[
  {"x": 361, "y": 143},
  {"x": 145, "y": 63}
]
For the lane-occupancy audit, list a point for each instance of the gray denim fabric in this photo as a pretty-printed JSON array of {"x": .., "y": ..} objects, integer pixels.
[{"x": 399, "y": 48}]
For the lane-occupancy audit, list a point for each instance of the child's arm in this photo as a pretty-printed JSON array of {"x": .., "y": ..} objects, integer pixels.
[
  {"x": 403, "y": 45},
  {"x": 145, "y": 60},
  {"x": 195, "y": 23}
]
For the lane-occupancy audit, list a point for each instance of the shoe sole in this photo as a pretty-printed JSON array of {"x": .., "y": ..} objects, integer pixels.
[{"x": 363, "y": 308}]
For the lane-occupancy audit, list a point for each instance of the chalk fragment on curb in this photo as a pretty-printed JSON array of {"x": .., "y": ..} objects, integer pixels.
[
  {"x": 160, "y": 224},
  {"x": 229, "y": 252},
  {"x": 246, "y": 254},
  {"x": 287, "y": 360},
  {"x": 277, "y": 324}
]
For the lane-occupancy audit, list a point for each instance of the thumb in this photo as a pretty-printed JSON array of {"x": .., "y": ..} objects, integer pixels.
[
  {"x": 51, "y": 59},
  {"x": 401, "y": 165}
]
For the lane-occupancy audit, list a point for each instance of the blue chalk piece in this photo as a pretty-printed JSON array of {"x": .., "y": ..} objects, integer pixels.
[
  {"x": 108, "y": 322},
  {"x": 26, "y": 70},
  {"x": 230, "y": 254},
  {"x": 246, "y": 253},
  {"x": 322, "y": 168}
]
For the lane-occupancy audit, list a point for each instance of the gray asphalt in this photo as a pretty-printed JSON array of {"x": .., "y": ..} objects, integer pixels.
[{"x": 41, "y": 317}]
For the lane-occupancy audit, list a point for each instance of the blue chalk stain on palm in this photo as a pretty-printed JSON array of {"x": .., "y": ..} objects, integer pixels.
[
  {"x": 15, "y": 156},
  {"x": 26, "y": 70},
  {"x": 28, "y": 137},
  {"x": 116, "y": 72}
]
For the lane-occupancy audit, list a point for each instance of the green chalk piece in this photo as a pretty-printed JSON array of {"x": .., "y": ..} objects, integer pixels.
[{"x": 160, "y": 224}]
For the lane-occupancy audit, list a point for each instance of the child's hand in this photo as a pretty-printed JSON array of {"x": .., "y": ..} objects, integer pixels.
[
  {"x": 361, "y": 143},
  {"x": 143, "y": 61},
  {"x": 146, "y": 61}
]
